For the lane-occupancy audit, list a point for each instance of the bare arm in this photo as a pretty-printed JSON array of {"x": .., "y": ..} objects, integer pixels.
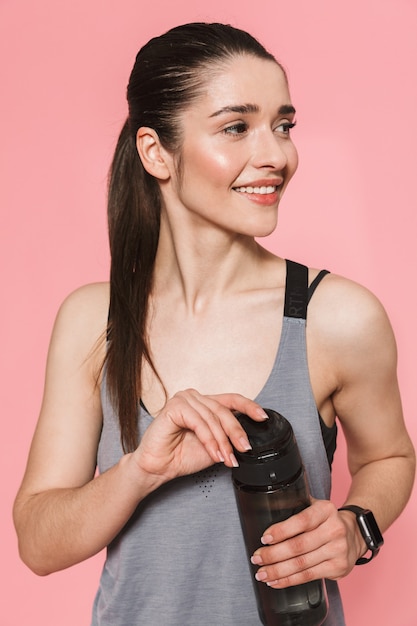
[
  {"x": 54, "y": 517},
  {"x": 64, "y": 514},
  {"x": 381, "y": 458},
  {"x": 353, "y": 333}
]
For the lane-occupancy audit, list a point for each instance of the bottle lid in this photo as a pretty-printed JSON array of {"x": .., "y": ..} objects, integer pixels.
[{"x": 274, "y": 457}]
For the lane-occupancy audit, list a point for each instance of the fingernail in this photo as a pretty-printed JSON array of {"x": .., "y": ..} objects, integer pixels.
[
  {"x": 261, "y": 576},
  {"x": 267, "y": 539},
  {"x": 245, "y": 443},
  {"x": 256, "y": 559},
  {"x": 271, "y": 583},
  {"x": 262, "y": 414},
  {"x": 221, "y": 457},
  {"x": 233, "y": 460}
]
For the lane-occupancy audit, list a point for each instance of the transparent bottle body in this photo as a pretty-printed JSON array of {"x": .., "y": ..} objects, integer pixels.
[{"x": 259, "y": 507}]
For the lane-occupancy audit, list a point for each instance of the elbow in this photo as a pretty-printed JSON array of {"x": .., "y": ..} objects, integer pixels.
[
  {"x": 35, "y": 562},
  {"x": 34, "y": 559},
  {"x": 38, "y": 569}
]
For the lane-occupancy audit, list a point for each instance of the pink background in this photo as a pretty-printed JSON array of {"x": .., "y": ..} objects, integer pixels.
[{"x": 352, "y": 208}]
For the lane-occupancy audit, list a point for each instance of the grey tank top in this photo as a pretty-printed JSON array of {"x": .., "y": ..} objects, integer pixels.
[{"x": 181, "y": 560}]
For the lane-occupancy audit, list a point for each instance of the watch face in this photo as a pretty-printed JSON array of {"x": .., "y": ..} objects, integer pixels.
[{"x": 370, "y": 530}]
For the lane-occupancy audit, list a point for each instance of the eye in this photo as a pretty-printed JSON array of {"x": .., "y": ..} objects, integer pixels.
[
  {"x": 236, "y": 129},
  {"x": 285, "y": 127}
]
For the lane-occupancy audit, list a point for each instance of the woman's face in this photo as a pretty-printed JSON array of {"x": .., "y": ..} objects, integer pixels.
[{"x": 237, "y": 156}]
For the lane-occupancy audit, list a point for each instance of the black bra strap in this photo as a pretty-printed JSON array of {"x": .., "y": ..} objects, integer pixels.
[
  {"x": 315, "y": 283},
  {"x": 296, "y": 291}
]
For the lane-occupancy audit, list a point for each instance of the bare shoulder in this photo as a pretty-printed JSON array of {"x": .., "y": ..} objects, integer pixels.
[
  {"x": 88, "y": 304},
  {"x": 88, "y": 298},
  {"x": 81, "y": 322},
  {"x": 344, "y": 310},
  {"x": 349, "y": 334}
]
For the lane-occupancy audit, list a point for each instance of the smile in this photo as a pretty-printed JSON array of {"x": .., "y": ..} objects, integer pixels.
[{"x": 257, "y": 190}]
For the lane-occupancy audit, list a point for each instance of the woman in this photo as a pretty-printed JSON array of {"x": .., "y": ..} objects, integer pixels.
[{"x": 198, "y": 320}]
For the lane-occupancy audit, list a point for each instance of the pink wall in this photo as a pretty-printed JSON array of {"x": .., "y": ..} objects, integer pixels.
[{"x": 351, "y": 208}]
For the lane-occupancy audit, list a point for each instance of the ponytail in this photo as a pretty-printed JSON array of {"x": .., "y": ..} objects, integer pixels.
[{"x": 134, "y": 218}]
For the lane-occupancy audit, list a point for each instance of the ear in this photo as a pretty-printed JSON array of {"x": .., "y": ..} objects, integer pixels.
[{"x": 153, "y": 156}]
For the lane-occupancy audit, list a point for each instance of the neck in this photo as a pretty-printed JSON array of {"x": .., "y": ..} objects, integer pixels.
[{"x": 199, "y": 266}]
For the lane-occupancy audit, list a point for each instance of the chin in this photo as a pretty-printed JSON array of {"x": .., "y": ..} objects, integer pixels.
[
  {"x": 264, "y": 230},
  {"x": 263, "y": 234}
]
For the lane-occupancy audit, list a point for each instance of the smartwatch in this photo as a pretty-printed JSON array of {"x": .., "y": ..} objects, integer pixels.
[{"x": 369, "y": 530}]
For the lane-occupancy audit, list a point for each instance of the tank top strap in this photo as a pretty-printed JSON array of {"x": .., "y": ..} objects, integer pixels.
[{"x": 298, "y": 292}]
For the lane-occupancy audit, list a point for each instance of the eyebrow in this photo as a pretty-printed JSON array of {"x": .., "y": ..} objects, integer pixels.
[{"x": 243, "y": 109}]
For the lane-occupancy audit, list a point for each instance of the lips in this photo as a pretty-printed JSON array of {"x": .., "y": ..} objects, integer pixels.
[
  {"x": 262, "y": 190},
  {"x": 261, "y": 186}
]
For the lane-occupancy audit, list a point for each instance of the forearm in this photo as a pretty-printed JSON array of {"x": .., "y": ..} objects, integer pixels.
[
  {"x": 58, "y": 528},
  {"x": 384, "y": 486}
]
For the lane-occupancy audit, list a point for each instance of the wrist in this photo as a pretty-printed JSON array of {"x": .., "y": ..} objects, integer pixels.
[
  {"x": 355, "y": 539},
  {"x": 139, "y": 480},
  {"x": 368, "y": 528}
]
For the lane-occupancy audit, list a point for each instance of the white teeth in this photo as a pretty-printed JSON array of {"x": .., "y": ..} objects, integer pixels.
[{"x": 260, "y": 190}]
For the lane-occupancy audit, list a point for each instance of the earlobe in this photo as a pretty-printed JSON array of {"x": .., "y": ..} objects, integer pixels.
[{"x": 151, "y": 153}]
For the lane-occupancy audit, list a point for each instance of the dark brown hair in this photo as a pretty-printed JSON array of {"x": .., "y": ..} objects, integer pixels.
[{"x": 169, "y": 74}]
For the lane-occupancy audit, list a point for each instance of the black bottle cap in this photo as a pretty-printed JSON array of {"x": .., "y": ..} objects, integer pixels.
[{"x": 274, "y": 457}]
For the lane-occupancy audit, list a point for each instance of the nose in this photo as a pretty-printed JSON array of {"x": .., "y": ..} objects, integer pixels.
[{"x": 272, "y": 151}]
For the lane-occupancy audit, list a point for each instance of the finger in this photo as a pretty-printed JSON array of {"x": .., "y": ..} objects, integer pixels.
[
  {"x": 307, "y": 520},
  {"x": 225, "y": 420},
  {"x": 296, "y": 572},
  {"x": 297, "y": 578},
  {"x": 206, "y": 418},
  {"x": 326, "y": 547},
  {"x": 222, "y": 424},
  {"x": 187, "y": 418},
  {"x": 224, "y": 406},
  {"x": 329, "y": 560},
  {"x": 216, "y": 413},
  {"x": 237, "y": 402},
  {"x": 303, "y": 533},
  {"x": 297, "y": 546},
  {"x": 285, "y": 572},
  {"x": 163, "y": 440}
]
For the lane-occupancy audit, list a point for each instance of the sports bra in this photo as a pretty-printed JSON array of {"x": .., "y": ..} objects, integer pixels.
[{"x": 329, "y": 433}]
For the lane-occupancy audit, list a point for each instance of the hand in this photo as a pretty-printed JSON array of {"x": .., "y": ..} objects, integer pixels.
[
  {"x": 319, "y": 542},
  {"x": 192, "y": 432}
]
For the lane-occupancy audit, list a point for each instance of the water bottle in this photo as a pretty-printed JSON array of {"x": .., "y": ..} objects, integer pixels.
[{"x": 270, "y": 485}]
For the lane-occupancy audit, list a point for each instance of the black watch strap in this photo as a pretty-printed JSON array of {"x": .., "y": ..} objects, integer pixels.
[{"x": 369, "y": 530}]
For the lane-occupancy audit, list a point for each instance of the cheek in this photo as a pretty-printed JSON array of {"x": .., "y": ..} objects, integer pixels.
[
  {"x": 222, "y": 169},
  {"x": 213, "y": 168},
  {"x": 293, "y": 159},
  {"x": 292, "y": 162},
  {"x": 211, "y": 163}
]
